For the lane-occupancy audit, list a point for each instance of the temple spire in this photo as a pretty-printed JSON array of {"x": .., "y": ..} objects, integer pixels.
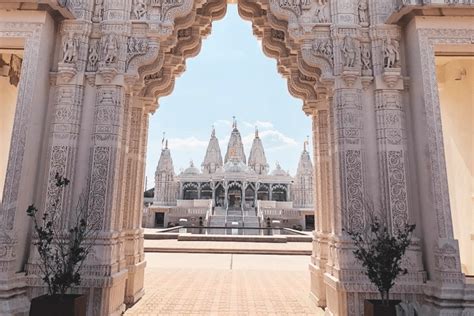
[
  {"x": 213, "y": 159},
  {"x": 257, "y": 159},
  {"x": 235, "y": 147}
]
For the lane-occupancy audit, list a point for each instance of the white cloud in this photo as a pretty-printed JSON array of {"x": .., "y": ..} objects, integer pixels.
[
  {"x": 278, "y": 137},
  {"x": 188, "y": 143},
  {"x": 259, "y": 124},
  {"x": 223, "y": 123}
]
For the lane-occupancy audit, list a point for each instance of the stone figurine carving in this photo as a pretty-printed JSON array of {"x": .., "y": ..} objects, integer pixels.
[
  {"x": 70, "y": 49},
  {"x": 139, "y": 9},
  {"x": 366, "y": 56},
  {"x": 349, "y": 52},
  {"x": 362, "y": 10},
  {"x": 110, "y": 49},
  {"x": 391, "y": 53},
  {"x": 98, "y": 10},
  {"x": 322, "y": 11}
]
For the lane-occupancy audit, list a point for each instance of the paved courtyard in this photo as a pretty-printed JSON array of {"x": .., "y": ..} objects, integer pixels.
[{"x": 225, "y": 284}]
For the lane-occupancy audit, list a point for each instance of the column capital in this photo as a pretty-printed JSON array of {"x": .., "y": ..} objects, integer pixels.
[{"x": 312, "y": 107}]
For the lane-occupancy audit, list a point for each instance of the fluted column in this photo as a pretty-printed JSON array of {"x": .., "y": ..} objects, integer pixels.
[
  {"x": 319, "y": 112},
  {"x": 136, "y": 156}
]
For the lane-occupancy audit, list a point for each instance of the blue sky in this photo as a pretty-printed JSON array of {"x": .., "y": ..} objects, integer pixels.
[{"x": 230, "y": 77}]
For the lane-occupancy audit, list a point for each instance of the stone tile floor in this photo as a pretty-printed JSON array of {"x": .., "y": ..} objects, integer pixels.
[{"x": 225, "y": 284}]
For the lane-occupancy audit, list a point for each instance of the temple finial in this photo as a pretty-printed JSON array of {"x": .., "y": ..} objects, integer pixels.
[
  {"x": 234, "y": 122},
  {"x": 256, "y": 131},
  {"x": 163, "y": 140},
  {"x": 213, "y": 133},
  {"x": 166, "y": 144},
  {"x": 306, "y": 143}
]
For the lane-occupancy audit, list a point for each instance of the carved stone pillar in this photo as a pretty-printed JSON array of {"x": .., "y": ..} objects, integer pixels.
[
  {"x": 134, "y": 255},
  {"x": 322, "y": 170},
  {"x": 104, "y": 203},
  {"x": 348, "y": 191},
  {"x": 226, "y": 190},
  {"x": 244, "y": 185},
  {"x": 68, "y": 105},
  {"x": 213, "y": 188}
]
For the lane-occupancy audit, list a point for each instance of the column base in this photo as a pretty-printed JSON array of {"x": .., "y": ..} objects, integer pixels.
[
  {"x": 318, "y": 290},
  {"x": 13, "y": 298},
  {"x": 136, "y": 276}
]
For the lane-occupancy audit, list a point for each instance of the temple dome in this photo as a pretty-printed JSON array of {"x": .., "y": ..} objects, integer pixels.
[
  {"x": 191, "y": 170},
  {"x": 279, "y": 172},
  {"x": 235, "y": 166}
]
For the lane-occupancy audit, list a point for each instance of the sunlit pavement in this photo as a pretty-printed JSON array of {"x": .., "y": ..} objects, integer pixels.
[{"x": 225, "y": 284}]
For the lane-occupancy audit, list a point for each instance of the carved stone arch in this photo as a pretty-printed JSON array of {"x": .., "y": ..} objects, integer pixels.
[{"x": 158, "y": 78}]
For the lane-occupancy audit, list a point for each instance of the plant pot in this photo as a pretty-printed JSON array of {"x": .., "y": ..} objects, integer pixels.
[
  {"x": 377, "y": 308},
  {"x": 55, "y": 305}
]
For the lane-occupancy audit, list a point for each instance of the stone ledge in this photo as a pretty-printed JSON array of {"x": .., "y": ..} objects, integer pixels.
[{"x": 230, "y": 251}]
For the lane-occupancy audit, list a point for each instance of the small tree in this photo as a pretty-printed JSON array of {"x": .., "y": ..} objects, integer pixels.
[
  {"x": 62, "y": 251},
  {"x": 381, "y": 252}
]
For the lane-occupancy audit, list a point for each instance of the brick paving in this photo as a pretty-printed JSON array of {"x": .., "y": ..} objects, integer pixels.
[{"x": 225, "y": 284}]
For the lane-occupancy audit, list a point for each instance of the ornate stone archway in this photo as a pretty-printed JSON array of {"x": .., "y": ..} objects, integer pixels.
[{"x": 346, "y": 60}]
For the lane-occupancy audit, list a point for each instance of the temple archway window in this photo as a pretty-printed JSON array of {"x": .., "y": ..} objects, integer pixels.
[
  {"x": 279, "y": 193},
  {"x": 263, "y": 193},
  {"x": 206, "y": 191},
  {"x": 190, "y": 191}
]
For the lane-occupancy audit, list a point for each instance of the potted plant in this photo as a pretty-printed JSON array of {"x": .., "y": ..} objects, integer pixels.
[
  {"x": 380, "y": 251},
  {"x": 62, "y": 252}
]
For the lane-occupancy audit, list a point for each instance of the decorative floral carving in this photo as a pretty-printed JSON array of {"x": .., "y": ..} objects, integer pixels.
[
  {"x": 295, "y": 6},
  {"x": 135, "y": 47},
  {"x": 93, "y": 56},
  {"x": 278, "y": 35}
]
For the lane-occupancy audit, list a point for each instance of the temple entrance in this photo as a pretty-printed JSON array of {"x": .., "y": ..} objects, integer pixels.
[
  {"x": 220, "y": 196},
  {"x": 235, "y": 197}
]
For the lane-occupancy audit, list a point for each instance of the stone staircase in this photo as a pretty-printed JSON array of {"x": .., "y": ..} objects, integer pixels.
[
  {"x": 250, "y": 220},
  {"x": 234, "y": 215}
]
